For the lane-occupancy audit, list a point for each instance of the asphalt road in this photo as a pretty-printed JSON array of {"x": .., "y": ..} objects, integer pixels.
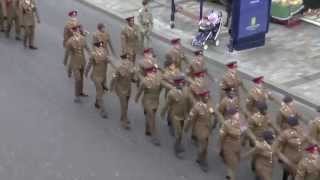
[{"x": 44, "y": 135}]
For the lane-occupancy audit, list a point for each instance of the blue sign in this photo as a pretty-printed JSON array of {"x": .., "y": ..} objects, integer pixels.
[{"x": 254, "y": 17}]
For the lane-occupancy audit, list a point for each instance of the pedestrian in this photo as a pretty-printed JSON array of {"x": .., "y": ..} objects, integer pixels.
[
  {"x": 231, "y": 100},
  {"x": 75, "y": 47},
  {"x": 231, "y": 80},
  {"x": 99, "y": 61},
  {"x": 151, "y": 87},
  {"x": 258, "y": 94},
  {"x": 29, "y": 16},
  {"x": 11, "y": 11},
  {"x": 177, "y": 103},
  {"x": 230, "y": 141},
  {"x": 176, "y": 54},
  {"x": 286, "y": 111},
  {"x": 130, "y": 39},
  {"x": 314, "y": 127},
  {"x": 290, "y": 143},
  {"x": 101, "y": 35},
  {"x": 203, "y": 118},
  {"x": 71, "y": 23},
  {"x": 146, "y": 24},
  {"x": 309, "y": 166},
  {"x": 121, "y": 84}
]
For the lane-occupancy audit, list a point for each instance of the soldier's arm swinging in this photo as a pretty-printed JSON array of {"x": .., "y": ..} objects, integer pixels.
[
  {"x": 66, "y": 55},
  {"x": 139, "y": 93},
  {"x": 111, "y": 48},
  {"x": 88, "y": 67},
  {"x": 166, "y": 107},
  {"x": 123, "y": 38}
]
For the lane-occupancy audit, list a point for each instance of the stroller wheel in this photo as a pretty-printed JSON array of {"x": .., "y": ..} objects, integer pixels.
[
  {"x": 205, "y": 46},
  {"x": 217, "y": 42}
]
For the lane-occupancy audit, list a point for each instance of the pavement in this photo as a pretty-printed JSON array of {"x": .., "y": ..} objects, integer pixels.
[
  {"x": 289, "y": 60},
  {"x": 45, "y": 136}
]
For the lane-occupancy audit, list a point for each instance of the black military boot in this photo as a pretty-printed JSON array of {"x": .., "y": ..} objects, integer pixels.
[{"x": 203, "y": 165}]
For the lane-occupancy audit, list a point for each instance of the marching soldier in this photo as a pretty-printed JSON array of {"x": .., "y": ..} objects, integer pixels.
[
  {"x": 130, "y": 39},
  {"x": 99, "y": 61},
  {"x": 315, "y": 130},
  {"x": 147, "y": 61},
  {"x": 71, "y": 23},
  {"x": 287, "y": 110},
  {"x": 309, "y": 166},
  {"x": 231, "y": 80},
  {"x": 231, "y": 100},
  {"x": 103, "y": 36},
  {"x": 11, "y": 14},
  {"x": 146, "y": 24},
  {"x": 29, "y": 16},
  {"x": 177, "y": 106},
  {"x": 176, "y": 54},
  {"x": 197, "y": 67},
  {"x": 75, "y": 51},
  {"x": 151, "y": 87},
  {"x": 230, "y": 141},
  {"x": 121, "y": 84},
  {"x": 257, "y": 94},
  {"x": 290, "y": 143},
  {"x": 203, "y": 118}
]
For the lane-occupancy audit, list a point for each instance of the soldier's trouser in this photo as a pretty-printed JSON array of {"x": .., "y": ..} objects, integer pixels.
[
  {"x": 29, "y": 36},
  {"x": 203, "y": 148},
  {"x": 124, "y": 101},
  {"x": 146, "y": 39},
  {"x": 151, "y": 121},
  {"x": 78, "y": 77},
  {"x": 10, "y": 22},
  {"x": 178, "y": 129},
  {"x": 99, "y": 95}
]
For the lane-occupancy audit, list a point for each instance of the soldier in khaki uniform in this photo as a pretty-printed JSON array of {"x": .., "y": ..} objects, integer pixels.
[
  {"x": 177, "y": 103},
  {"x": 314, "y": 126},
  {"x": 103, "y": 36},
  {"x": 71, "y": 23},
  {"x": 130, "y": 39},
  {"x": 291, "y": 143},
  {"x": 11, "y": 11},
  {"x": 176, "y": 54},
  {"x": 146, "y": 24},
  {"x": 151, "y": 87},
  {"x": 309, "y": 166},
  {"x": 147, "y": 61},
  {"x": 75, "y": 47},
  {"x": 121, "y": 84},
  {"x": 230, "y": 141},
  {"x": 231, "y": 80},
  {"x": 99, "y": 61},
  {"x": 203, "y": 118},
  {"x": 287, "y": 110},
  {"x": 29, "y": 16},
  {"x": 258, "y": 94},
  {"x": 231, "y": 100}
]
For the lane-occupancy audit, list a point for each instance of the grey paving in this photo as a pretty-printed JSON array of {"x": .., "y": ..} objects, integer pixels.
[{"x": 44, "y": 135}]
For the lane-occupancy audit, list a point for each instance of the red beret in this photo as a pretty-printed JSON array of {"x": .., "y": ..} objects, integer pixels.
[
  {"x": 198, "y": 52},
  {"x": 147, "y": 50},
  {"x": 129, "y": 18},
  {"x": 258, "y": 80},
  {"x": 150, "y": 70},
  {"x": 203, "y": 93},
  {"x": 312, "y": 148},
  {"x": 175, "y": 41},
  {"x": 232, "y": 65},
  {"x": 73, "y": 13},
  {"x": 199, "y": 74}
]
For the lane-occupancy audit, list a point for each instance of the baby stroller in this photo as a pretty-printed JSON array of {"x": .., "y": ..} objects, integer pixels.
[{"x": 209, "y": 30}]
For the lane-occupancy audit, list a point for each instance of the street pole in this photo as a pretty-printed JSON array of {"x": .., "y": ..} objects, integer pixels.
[
  {"x": 201, "y": 9},
  {"x": 173, "y": 11}
]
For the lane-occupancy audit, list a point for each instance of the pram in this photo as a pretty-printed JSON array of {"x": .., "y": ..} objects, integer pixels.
[{"x": 209, "y": 30}]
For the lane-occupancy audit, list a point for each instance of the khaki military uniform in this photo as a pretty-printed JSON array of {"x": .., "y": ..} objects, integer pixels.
[
  {"x": 75, "y": 47},
  {"x": 99, "y": 62},
  {"x": 146, "y": 24},
  {"x": 121, "y": 84},
  {"x": 145, "y": 64},
  {"x": 228, "y": 103},
  {"x": 283, "y": 115},
  {"x": 196, "y": 68},
  {"x": 230, "y": 80},
  {"x": 259, "y": 123},
  {"x": 104, "y": 37},
  {"x": 291, "y": 143},
  {"x": 10, "y": 9},
  {"x": 67, "y": 32},
  {"x": 29, "y": 15},
  {"x": 315, "y": 130},
  {"x": 130, "y": 41},
  {"x": 202, "y": 119},
  {"x": 256, "y": 94},
  {"x": 308, "y": 169},
  {"x": 230, "y": 139},
  {"x": 178, "y": 57}
]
